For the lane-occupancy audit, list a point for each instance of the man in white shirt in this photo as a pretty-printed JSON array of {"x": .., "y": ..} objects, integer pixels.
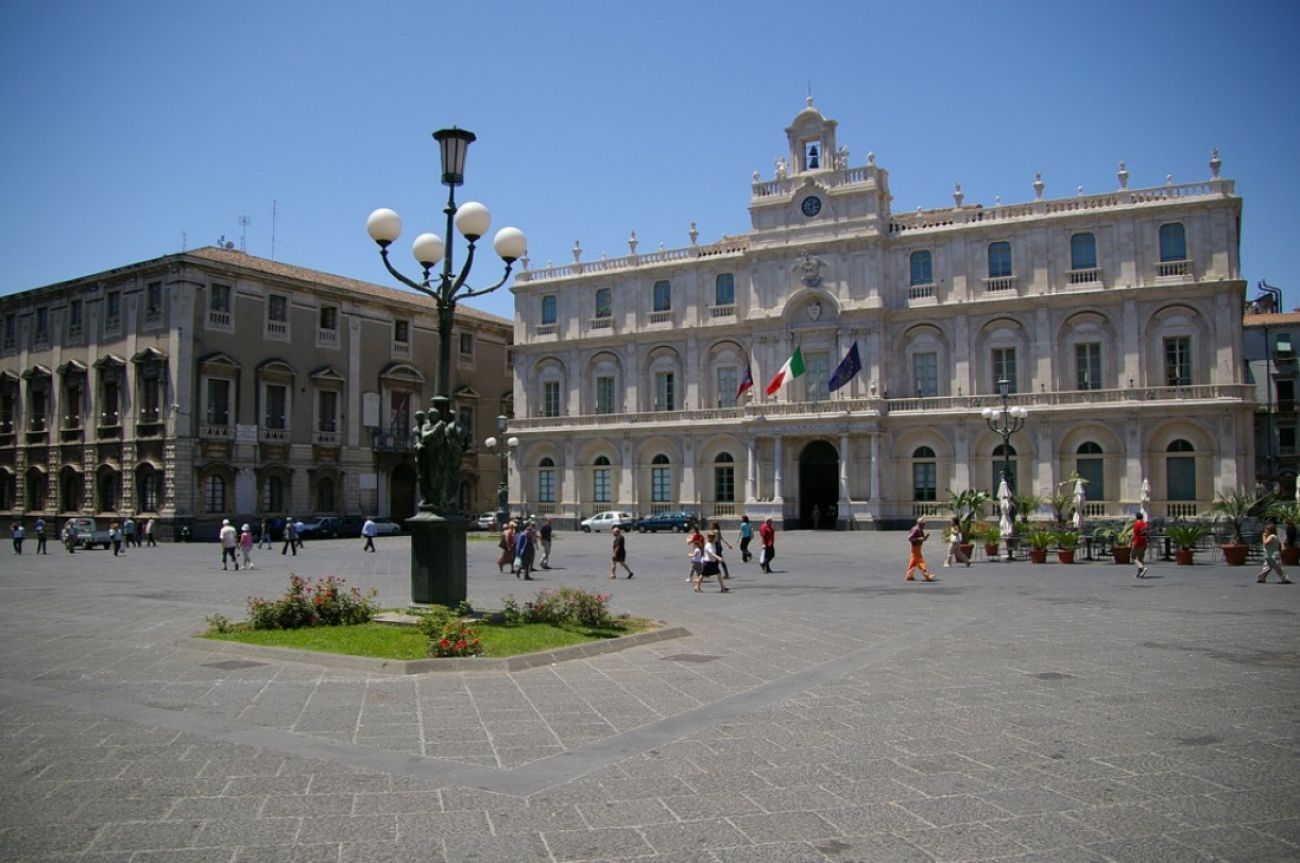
[
  {"x": 229, "y": 538},
  {"x": 368, "y": 530}
]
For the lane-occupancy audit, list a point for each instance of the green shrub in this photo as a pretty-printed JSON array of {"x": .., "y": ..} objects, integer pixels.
[
  {"x": 510, "y": 611},
  {"x": 308, "y": 603},
  {"x": 568, "y": 605},
  {"x": 449, "y": 634}
]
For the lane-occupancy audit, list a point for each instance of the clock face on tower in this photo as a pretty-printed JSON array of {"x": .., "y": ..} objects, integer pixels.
[{"x": 811, "y": 206}]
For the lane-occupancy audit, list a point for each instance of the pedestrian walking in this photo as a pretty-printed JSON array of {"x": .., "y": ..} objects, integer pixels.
[
  {"x": 767, "y": 537},
  {"x": 264, "y": 534},
  {"x": 816, "y": 516},
  {"x": 297, "y": 532},
  {"x": 715, "y": 531},
  {"x": 70, "y": 536},
  {"x": 246, "y": 546},
  {"x": 710, "y": 563},
  {"x": 19, "y": 534},
  {"x": 525, "y": 550},
  {"x": 128, "y": 531},
  {"x": 368, "y": 530},
  {"x": 955, "y": 539},
  {"x": 916, "y": 537},
  {"x": 545, "y": 534},
  {"x": 229, "y": 541},
  {"x": 1272, "y": 556},
  {"x": 115, "y": 535},
  {"x": 618, "y": 556},
  {"x": 148, "y": 533},
  {"x": 507, "y": 546},
  {"x": 1141, "y": 535},
  {"x": 290, "y": 538},
  {"x": 40, "y": 536},
  {"x": 746, "y": 536},
  {"x": 694, "y": 541}
]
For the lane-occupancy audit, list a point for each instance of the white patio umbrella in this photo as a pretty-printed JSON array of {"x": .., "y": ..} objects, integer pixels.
[
  {"x": 1144, "y": 497},
  {"x": 1080, "y": 495},
  {"x": 1004, "y": 503}
]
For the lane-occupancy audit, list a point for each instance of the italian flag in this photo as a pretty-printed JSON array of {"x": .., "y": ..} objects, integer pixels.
[{"x": 792, "y": 369}]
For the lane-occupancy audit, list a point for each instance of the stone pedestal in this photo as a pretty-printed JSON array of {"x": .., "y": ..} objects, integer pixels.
[{"x": 437, "y": 559}]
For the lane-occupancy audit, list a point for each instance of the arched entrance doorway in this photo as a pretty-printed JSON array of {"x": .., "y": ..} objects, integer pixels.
[
  {"x": 401, "y": 493},
  {"x": 819, "y": 485}
]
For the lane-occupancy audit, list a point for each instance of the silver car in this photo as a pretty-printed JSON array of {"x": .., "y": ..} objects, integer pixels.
[{"x": 607, "y": 520}]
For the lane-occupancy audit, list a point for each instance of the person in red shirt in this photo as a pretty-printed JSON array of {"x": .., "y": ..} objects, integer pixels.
[
  {"x": 1141, "y": 533},
  {"x": 916, "y": 537},
  {"x": 767, "y": 535}
]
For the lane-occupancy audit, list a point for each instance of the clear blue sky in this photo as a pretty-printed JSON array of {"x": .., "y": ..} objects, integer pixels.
[{"x": 129, "y": 125}]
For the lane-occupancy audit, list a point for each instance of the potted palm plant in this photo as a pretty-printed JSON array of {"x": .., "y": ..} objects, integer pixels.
[
  {"x": 1062, "y": 507},
  {"x": 966, "y": 506},
  {"x": 1289, "y": 515},
  {"x": 1121, "y": 544},
  {"x": 1185, "y": 536},
  {"x": 1039, "y": 541},
  {"x": 1026, "y": 505},
  {"x": 1234, "y": 506},
  {"x": 990, "y": 535},
  {"x": 1067, "y": 542}
]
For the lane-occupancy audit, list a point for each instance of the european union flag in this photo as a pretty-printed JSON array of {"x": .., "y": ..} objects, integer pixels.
[{"x": 844, "y": 372}]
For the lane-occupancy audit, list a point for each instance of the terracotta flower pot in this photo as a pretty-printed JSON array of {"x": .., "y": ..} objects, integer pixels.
[
  {"x": 1038, "y": 555},
  {"x": 1065, "y": 555},
  {"x": 991, "y": 550},
  {"x": 1122, "y": 553},
  {"x": 1183, "y": 556},
  {"x": 1234, "y": 555},
  {"x": 967, "y": 548},
  {"x": 1291, "y": 555}
]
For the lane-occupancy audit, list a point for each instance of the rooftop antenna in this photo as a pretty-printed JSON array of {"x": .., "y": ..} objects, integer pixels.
[
  {"x": 244, "y": 222},
  {"x": 274, "y": 213}
]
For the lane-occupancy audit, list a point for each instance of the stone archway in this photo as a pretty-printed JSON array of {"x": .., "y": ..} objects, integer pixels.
[
  {"x": 819, "y": 485},
  {"x": 401, "y": 493}
]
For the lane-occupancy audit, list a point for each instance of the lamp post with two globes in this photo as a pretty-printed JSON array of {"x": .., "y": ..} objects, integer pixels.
[
  {"x": 437, "y": 531},
  {"x": 502, "y": 446}
]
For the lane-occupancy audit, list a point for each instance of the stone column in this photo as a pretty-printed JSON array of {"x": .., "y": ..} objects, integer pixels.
[
  {"x": 875, "y": 468},
  {"x": 627, "y": 478},
  {"x": 844, "y": 467},
  {"x": 751, "y": 470},
  {"x": 777, "y": 458}
]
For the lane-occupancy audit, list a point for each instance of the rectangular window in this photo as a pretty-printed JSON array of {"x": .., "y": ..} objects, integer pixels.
[
  {"x": 219, "y": 299},
  {"x": 1286, "y": 440},
  {"x": 113, "y": 309},
  {"x": 605, "y": 394},
  {"x": 924, "y": 483},
  {"x": 277, "y": 399},
  {"x": 74, "y": 318},
  {"x": 724, "y": 483},
  {"x": 402, "y": 332},
  {"x": 150, "y": 400},
  {"x": 999, "y": 260},
  {"x": 1286, "y": 395},
  {"x": 818, "y": 370},
  {"x": 1178, "y": 361},
  {"x": 546, "y": 485},
  {"x": 600, "y": 485},
  {"x": 1004, "y": 368},
  {"x": 109, "y": 407},
  {"x": 925, "y": 374},
  {"x": 665, "y": 398},
  {"x": 277, "y": 309},
  {"x": 728, "y": 381},
  {"x": 42, "y": 325},
  {"x": 1180, "y": 478},
  {"x": 11, "y": 332},
  {"x": 153, "y": 300},
  {"x": 549, "y": 310},
  {"x": 921, "y": 266},
  {"x": 661, "y": 484},
  {"x": 603, "y": 304},
  {"x": 218, "y": 408},
  {"x": 72, "y": 404},
  {"x": 467, "y": 344},
  {"x": 1087, "y": 366},
  {"x": 1093, "y": 470},
  {"x": 663, "y": 296},
  {"x": 328, "y": 419},
  {"x": 214, "y": 494},
  {"x": 1083, "y": 252},
  {"x": 550, "y": 398},
  {"x": 329, "y": 318},
  {"x": 999, "y": 466},
  {"x": 1173, "y": 242},
  {"x": 466, "y": 420},
  {"x": 724, "y": 290}
]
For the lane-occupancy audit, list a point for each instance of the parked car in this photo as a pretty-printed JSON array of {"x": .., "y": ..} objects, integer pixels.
[
  {"x": 386, "y": 527},
  {"x": 486, "y": 521},
  {"x": 607, "y": 520},
  {"x": 89, "y": 534},
  {"x": 679, "y": 520},
  {"x": 321, "y": 527}
]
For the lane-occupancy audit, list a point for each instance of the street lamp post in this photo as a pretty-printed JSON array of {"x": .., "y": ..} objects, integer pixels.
[
  {"x": 437, "y": 531},
  {"x": 503, "y": 446},
  {"x": 1006, "y": 422},
  {"x": 1270, "y": 301}
]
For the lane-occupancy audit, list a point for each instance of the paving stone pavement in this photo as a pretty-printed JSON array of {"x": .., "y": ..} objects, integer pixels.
[{"x": 826, "y": 712}]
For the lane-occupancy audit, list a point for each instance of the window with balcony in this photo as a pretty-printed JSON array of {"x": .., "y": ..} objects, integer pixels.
[
  {"x": 325, "y": 494},
  {"x": 605, "y": 394},
  {"x": 71, "y": 489},
  {"x": 1180, "y": 471},
  {"x": 1004, "y": 458},
  {"x": 277, "y": 317},
  {"x": 214, "y": 494},
  {"x": 999, "y": 260},
  {"x": 1286, "y": 440},
  {"x": 549, "y": 313},
  {"x": 38, "y": 406},
  {"x": 1286, "y": 395},
  {"x": 920, "y": 266},
  {"x": 273, "y": 494},
  {"x": 402, "y": 339},
  {"x": 112, "y": 310},
  {"x": 1087, "y": 366},
  {"x": 1083, "y": 251},
  {"x": 550, "y": 398},
  {"x": 275, "y": 416},
  {"x": 724, "y": 478},
  {"x": 74, "y": 391},
  {"x": 327, "y": 411},
  {"x": 327, "y": 327},
  {"x": 924, "y": 474},
  {"x": 1178, "y": 361},
  {"x": 817, "y": 368},
  {"x": 925, "y": 374},
  {"x": 465, "y": 418},
  {"x": 600, "y": 481},
  {"x": 1089, "y": 465},
  {"x": 110, "y": 402},
  {"x": 728, "y": 383},
  {"x": 37, "y": 488},
  {"x": 149, "y": 487},
  {"x": 724, "y": 290},
  {"x": 220, "y": 306},
  {"x": 661, "y": 479},
  {"x": 546, "y": 481},
  {"x": 109, "y": 485},
  {"x": 217, "y": 405},
  {"x": 8, "y": 406},
  {"x": 665, "y": 395},
  {"x": 663, "y": 296},
  {"x": 1004, "y": 369},
  {"x": 604, "y": 304},
  {"x": 1173, "y": 242}
]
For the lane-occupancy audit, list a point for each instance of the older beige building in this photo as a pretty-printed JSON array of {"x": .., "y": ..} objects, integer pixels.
[{"x": 214, "y": 384}]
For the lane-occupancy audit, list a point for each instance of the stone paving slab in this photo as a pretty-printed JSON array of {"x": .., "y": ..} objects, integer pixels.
[{"x": 828, "y": 712}]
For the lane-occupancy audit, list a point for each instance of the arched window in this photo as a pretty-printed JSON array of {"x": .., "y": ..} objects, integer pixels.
[
  {"x": 1173, "y": 242},
  {"x": 214, "y": 494},
  {"x": 325, "y": 494},
  {"x": 148, "y": 482},
  {"x": 71, "y": 489},
  {"x": 661, "y": 479},
  {"x": 600, "y": 480},
  {"x": 999, "y": 260},
  {"x": 724, "y": 290},
  {"x": 1083, "y": 252},
  {"x": 724, "y": 478},
  {"x": 546, "y": 481},
  {"x": 109, "y": 490},
  {"x": 924, "y": 474},
  {"x": 1004, "y": 458},
  {"x": 36, "y": 489},
  {"x": 273, "y": 495},
  {"x": 1091, "y": 467},
  {"x": 548, "y": 309},
  {"x": 1180, "y": 471},
  {"x": 6, "y": 490},
  {"x": 922, "y": 272},
  {"x": 604, "y": 307}
]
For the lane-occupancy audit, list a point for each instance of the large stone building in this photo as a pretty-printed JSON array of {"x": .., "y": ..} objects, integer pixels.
[
  {"x": 1270, "y": 348},
  {"x": 213, "y": 383},
  {"x": 1115, "y": 318}
]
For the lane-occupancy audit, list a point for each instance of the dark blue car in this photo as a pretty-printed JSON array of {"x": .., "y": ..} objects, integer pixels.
[{"x": 680, "y": 521}]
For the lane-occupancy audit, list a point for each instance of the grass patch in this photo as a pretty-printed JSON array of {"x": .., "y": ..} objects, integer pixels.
[{"x": 386, "y": 641}]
